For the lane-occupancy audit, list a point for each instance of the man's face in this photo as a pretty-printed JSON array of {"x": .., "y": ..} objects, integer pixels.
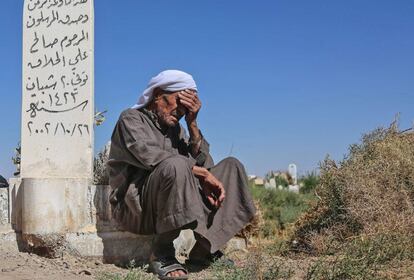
[{"x": 168, "y": 108}]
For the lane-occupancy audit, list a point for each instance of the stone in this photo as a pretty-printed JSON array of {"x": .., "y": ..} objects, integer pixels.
[
  {"x": 236, "y": 244},
  {"x": 259, "y": 181},
  {"x": 272, "y": 182},
  {"x": 271, "y": 185},
  {"x": 183, "y": 244},
  {"x": 57, "y": 120},
  {"x": 293, "y": 188}
]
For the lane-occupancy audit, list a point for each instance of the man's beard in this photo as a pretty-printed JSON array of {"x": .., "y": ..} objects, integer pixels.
[{"x": 165, "y": 118}]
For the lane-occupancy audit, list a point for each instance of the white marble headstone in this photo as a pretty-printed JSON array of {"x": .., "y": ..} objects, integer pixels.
[
  {"x": 58, "y": 89},
  {"x": 293, "y": 173}
]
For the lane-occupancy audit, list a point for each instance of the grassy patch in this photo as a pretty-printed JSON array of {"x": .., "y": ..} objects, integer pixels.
[
  {"x": 133, "y": 273},
  {"x": 309, "y": 182},
  {"x": 259, "y": 266},
  {"x": 279, "y": 208},
  {"x": 364, "y": 258}
]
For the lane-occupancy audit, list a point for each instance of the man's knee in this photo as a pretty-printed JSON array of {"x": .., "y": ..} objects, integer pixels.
[
  {"x": 174, "y": 167},
  {"x": 232, "y": 162}
]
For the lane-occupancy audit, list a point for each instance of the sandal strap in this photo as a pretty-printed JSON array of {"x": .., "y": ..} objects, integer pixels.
[{"x": 163, "y": 266}]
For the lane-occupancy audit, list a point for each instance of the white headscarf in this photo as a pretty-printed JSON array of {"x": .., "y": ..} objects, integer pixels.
[{"x": 168, "y": 80}]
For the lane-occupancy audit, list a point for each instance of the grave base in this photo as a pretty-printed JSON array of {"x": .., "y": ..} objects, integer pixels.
[{"x": 101, "y": 238}]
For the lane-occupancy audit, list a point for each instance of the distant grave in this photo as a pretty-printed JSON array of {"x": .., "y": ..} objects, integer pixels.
[{"x": 292, "y": 170}]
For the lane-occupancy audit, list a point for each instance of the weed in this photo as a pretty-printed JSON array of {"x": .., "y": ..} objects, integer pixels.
[
  {"x": 100, "y": 173},
  {"x": 370, "y": 192},
  {"x": 364, "y": 258},
  {"x": 308, "y": 182},
  {"x": 259, "y": 266},
  {"x": 134, "y": 273}
]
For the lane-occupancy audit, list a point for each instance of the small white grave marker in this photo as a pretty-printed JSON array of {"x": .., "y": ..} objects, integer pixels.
[
  {"x": 272, "y": 183},
  {"x": 293, "y": 173}
]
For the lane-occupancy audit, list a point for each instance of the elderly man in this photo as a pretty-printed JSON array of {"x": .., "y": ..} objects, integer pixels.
[{"x": 164, "y": 182}]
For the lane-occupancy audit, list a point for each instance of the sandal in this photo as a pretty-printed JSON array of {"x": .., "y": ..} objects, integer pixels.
[{"x": 162, "y": 266}]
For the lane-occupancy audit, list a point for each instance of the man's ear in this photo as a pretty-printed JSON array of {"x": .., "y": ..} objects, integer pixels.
[{"x": 156, "y": 93}]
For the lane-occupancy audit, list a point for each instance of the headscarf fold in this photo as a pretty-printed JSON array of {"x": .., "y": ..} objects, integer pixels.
[{"x": 168, "y": 80}]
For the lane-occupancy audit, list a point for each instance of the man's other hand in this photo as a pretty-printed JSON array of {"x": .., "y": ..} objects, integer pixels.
[
  {"x": 212, "y": 187},
  {"x": 190, "y": 100}
]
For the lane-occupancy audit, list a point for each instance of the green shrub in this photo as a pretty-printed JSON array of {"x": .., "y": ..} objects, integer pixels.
[
  {"x": 280, "y": 208},
  {"x": 308, "y": 182},
  {"x": 280, "y": 181}
]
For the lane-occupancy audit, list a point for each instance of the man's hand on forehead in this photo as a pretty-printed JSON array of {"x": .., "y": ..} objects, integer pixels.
[
  {"x": 190, "y": 100},
  {"x": 188, "y": 93},
  {"x": 189, "y": 97}
]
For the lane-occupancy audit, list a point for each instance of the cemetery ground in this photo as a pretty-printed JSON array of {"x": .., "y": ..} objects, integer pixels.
[{"x": 355, "y": 220}]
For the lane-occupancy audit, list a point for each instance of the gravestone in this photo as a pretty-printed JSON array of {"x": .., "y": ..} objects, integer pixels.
[
  {"x": 272, "y": 183},
  {"x": 293, "y": 188},
  {"x": 57, "y": 117},
  {"x": 292, "y": 169}
]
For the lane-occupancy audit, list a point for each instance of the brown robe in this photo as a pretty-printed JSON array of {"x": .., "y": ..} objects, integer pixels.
[{"x": 155, "y": 191}]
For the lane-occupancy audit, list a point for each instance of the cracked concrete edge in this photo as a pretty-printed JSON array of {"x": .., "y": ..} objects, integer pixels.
[{"x": 4, "y": 206}]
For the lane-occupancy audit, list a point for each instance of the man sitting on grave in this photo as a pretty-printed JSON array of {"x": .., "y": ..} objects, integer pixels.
[{"x": 164, "y": 182}]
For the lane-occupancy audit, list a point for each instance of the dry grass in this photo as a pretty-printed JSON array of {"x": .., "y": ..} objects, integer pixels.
[
  {"x": 100, "y": 173},
  {"x": 369, "y": 193},
  {"x": 253, "y": 228}
]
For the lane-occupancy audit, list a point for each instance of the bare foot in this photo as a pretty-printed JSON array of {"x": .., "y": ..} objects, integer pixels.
[{"x": 175, "y": 273}]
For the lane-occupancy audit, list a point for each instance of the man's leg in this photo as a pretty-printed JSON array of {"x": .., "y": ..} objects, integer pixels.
[
  {"x": 171, "y": 197},
  {"x": 235, "y": 212},
  {"x": 163, "y": 250},
  {"x": 171, "y": 202},
  {"x": 162, "y": 244}
]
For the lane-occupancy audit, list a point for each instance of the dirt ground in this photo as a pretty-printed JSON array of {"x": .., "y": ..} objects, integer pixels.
[{"x": 15, "y": 265}]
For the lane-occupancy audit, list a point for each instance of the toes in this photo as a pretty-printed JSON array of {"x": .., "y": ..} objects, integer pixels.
[{"x": 176, "y": 273}]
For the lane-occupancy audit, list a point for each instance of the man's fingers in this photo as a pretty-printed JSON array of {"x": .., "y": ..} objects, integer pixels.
[
  {"x": 211, "y": 200},
  {"x": 222, "y": 194},
  {"x": 190, "y": 105},
  {"x": 187, "y": 100},
  {"x": 189, "y": 96},
  {"x": 190, "y": 101},
  {"x": 190, "y": 91},
  {"x": 187, "y": 104}
]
